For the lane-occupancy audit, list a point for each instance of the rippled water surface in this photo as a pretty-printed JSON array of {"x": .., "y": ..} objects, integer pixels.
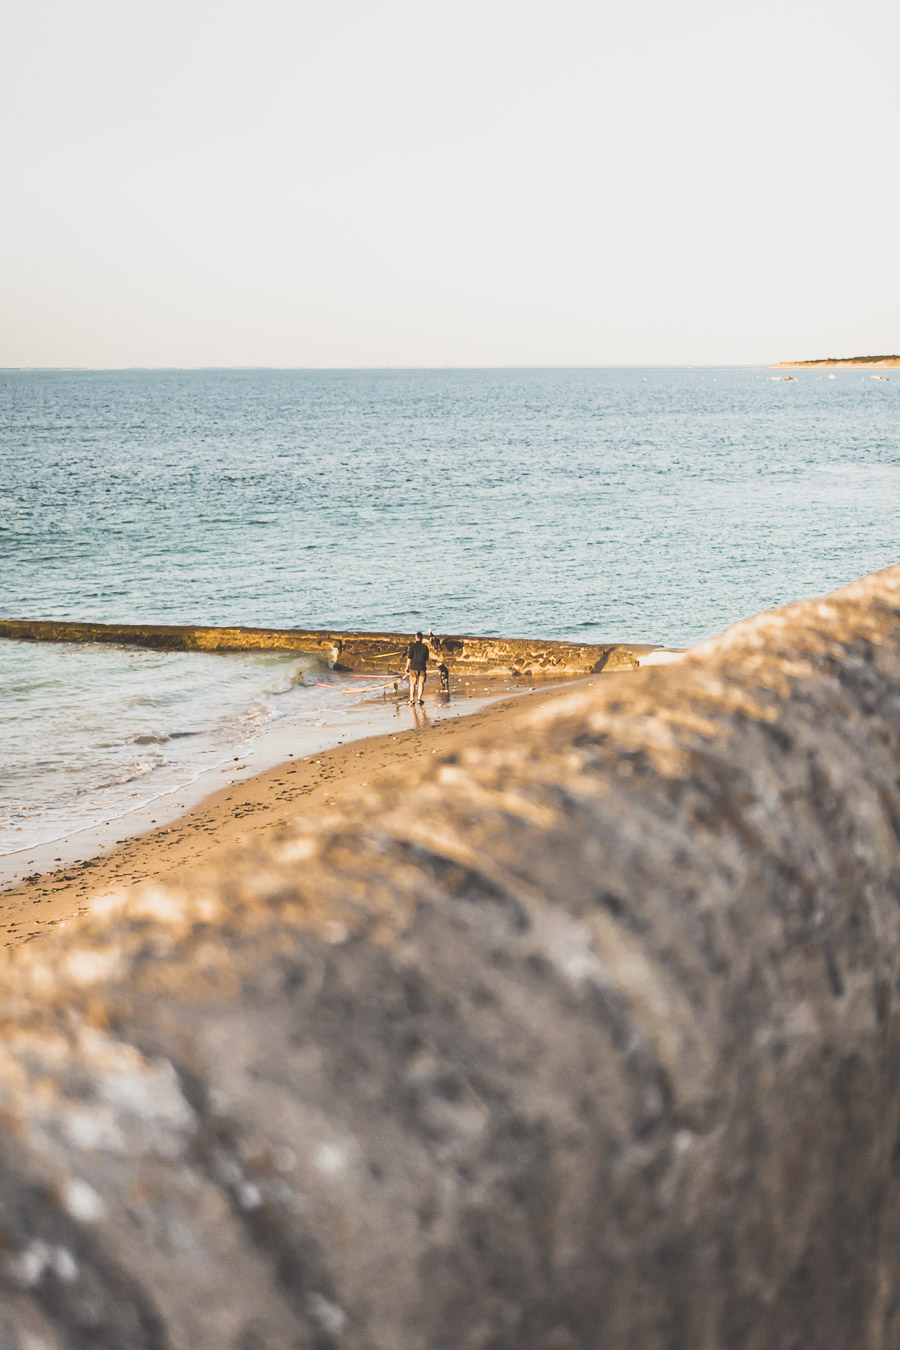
[
  {"x": 659, "y": 505},
  {"x": 654, "y": 505}
]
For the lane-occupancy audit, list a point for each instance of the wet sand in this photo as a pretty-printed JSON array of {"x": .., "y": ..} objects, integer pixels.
[{"x": 307, "y": 779}]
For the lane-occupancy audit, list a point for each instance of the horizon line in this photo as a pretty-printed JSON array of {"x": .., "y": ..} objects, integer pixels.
[{"x": 649, "y": 365}]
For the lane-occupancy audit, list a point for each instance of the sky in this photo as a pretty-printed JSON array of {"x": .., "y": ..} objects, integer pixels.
[{"x": 500, "y": 183}]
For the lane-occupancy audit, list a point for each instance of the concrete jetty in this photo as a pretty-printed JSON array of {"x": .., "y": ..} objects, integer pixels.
[{"x": 358, "y": 650}]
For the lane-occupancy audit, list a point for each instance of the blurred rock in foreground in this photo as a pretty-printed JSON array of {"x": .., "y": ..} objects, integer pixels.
[{"x": 589, "y": 1041}]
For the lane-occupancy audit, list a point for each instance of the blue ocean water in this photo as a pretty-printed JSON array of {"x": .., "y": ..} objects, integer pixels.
[
  {"x": 613, "y": 504},
  {"x": 644, "y": 505}
]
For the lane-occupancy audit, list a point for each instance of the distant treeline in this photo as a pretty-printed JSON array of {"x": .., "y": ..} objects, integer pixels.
[
  {"x": 857, "y": 359},
  {"x": 848, "y": 360}
]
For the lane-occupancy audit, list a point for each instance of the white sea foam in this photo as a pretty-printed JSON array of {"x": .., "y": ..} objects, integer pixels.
[{"x": 78, "y": 750}]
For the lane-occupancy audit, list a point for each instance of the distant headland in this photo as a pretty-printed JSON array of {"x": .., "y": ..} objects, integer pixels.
[{"x": 847, "y": 361}]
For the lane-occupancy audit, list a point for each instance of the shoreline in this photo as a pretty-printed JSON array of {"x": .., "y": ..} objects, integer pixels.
[
  {"x": 890, "y": 363},
  {"x": 280, "y": 740},
  {"x": 61, "y": 879}
]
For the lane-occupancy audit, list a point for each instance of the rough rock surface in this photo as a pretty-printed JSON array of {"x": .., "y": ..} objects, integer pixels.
[{"x": 590, "y": 1043}]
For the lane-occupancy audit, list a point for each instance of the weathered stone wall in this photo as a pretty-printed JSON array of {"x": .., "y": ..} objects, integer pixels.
[
  {"x": 591, "y": 1043},
  {"x": 363, "y": 651}
]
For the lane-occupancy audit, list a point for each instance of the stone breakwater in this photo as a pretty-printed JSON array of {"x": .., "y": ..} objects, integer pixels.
[
  {"x": 591, "y": 1043},
  {"x": 364, "y": 651}
]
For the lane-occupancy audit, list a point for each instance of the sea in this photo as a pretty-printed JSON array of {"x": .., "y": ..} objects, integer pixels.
[{"x": 654, "y": 505}]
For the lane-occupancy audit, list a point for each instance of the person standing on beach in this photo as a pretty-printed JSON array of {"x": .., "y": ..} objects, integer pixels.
[{"x": 416, "y": 669}]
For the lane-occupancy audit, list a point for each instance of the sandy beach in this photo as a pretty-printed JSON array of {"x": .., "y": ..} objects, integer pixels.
[{"x": 66, "y": 877}]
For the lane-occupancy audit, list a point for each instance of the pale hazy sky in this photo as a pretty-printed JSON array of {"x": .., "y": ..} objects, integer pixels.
[{"x": 492, "y": 183}]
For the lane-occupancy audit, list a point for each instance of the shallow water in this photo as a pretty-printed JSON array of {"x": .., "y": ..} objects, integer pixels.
[
  {"x": 92, "y": 733},
  {"x": 654, "y": 505}
]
